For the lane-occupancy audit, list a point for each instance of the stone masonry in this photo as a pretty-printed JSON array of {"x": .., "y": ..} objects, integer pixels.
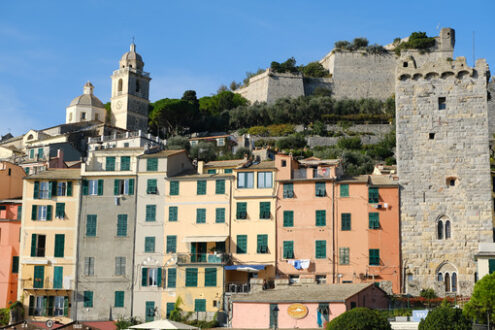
[{"x": 444, "y": 171}]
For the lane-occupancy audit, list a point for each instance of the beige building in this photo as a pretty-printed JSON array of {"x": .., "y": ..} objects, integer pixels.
[
  {"x": 48, "y": 248},
  {"x": 85, "y": 107}
]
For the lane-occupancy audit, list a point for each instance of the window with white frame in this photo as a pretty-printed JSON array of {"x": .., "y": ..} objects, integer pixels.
[
  {"x": 265, "y": 179},
  {"x": 42, "y": 212},
  {"x": 245, "y": 180},
  {"x": 119, "y": 266},
  {"x": 89, "y": 266},
  {"x": 61, "y": 188},
  {"x": 44, "y": 189},
  {"x": 93, "y": 187}
]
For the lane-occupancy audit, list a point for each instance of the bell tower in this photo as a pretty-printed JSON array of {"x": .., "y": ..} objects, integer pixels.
[{"x": 130, "y": 93}]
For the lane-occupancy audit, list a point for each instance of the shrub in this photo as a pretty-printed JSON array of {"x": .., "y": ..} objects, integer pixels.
[
  {"x": 287, "y": 66},
  {"x": 291, "y": 142},
  {"x": 353, "y": 143},
  {"x": 261, "y": 143},
  {"x": 258, "y": 130},
  {"x": 125, "y": 323},
  {"x": 314, "y": 69},
  {"x": 482, "y": 303},
  {"x": 359, "y": 319},
  {"x": 445, "y": 317},
  {"x": 417, "y": 40},
  {"x": 281, "y": 129},
  {"x": 178, "y": 142}
]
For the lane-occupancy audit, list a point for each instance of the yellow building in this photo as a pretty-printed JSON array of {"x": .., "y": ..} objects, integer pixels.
[
  {"x": 48, "y": 244},
  {"x": 197, "y": 218}
]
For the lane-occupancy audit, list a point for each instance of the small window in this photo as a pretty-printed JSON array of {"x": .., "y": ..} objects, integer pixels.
[
  {"x": 431, "y": 136},
  {"x": 442, "y": 103},
  {"x": 83, "y": 115},
  {"x": 284, "y": 163},
  {"x": 451, "y": 181},
  {"x": 405, "y": 64},
  {"x": 288, "y": 191}
]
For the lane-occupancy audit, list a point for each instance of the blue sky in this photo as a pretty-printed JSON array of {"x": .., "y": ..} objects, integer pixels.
[{"x": 49, "y": 49}]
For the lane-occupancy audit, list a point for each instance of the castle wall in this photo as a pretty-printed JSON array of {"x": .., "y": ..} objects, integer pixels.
[
  {"x": 284, "y": 85},
  {"x": 444, "y": 171},
  {"x": 491, "y": 109},
  {"x": 310, "y": 84},
  {"x": 257, "y": 90}
]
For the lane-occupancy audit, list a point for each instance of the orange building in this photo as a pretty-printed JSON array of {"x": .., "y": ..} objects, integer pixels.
[{"x": 11, "y": 177}]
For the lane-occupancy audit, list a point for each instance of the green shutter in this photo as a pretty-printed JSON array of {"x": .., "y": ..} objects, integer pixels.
[
  {"x": 320, "y": 190},
  {"x": 191, "y": 277},
  {"x": 288, "y": 249},
  {"x": 119, "y": 299},
  {"x": 85, "y": 187},
  {"x": 110, "y": 164},
  {"x": 201, "y": 187},
  {"x": 345, "y": 221},
  {"x": 152, "y": 164},
  {"x": 227, "y": 171},
  {"x": 264, "y": 210},
  {"x": 131, "y": 187},
  {"x": 66, "y": 306},
  {"x": 241, "y": 244},
  {"x": 100, "y": 187},
  {"x": 36, "y": 193},
  {"x": 288, "y": 218},
  {"x": 31, "y": 304},
  {"x": 374, "y": 220},
  {"x": 88, "y": 299},
  {"x": 50, "y": 189},
  {"x": 321, "y": 218},
  {"x": 49, "y": 212},
  {"x": 125, "y": 163},
  {"x": 173, "y": 213},
  {"x": 144, "y": 276},
  {"x": 151, "y": 186},
  {"x": 200, "y": 215},
  {"x": 344, "y": 190},
  {"x": 373, "y": 196},
  {"x": 150, "y": 311},
  {"x": 262, "y": 244},
  {"x": 48, "y": 302},
  {"x": 171, "y": 244},
  {"x": 116, "y": 186},
  {"x": 159, "y": 277},
  {"x": 39, "y": 275},
  {"x": 170, "y": 308},
  {"x": 274, "y": 316},
  {"x": 149, "y": 244},
  {"x": 212, "y": 171},
  {"x": 172, "y": 278},
  {"x": 320, "y": 249},
  {"x": 241, "y": 210},
  {"x": 91, "y": 225},
  {"x": 374, "y": 257},
  {"x": 69, "y": 188},
  {"x": 288, "y": 190},
  {"x": 220, "y": 187},
  {"x": 34, "y": 212},
  {"x": 200, "y": 305},
  {"x": 15, "y": 265},
  {"x": 491, "y": 266},
  {"x": 220, "y": 215},
  {"x": 122, "y": 225},
  {"x": 33, "y": 245},
  {"x": 210, "y": 277},
  {"x": 174, "y": 188},
  {"x": 19, "y": 212},
  {"x": 150, "y": 213},
  {"x": 58, "y": 277},
  {"x": 60, "y": 210},
  {"x": 59, "y": 245}
]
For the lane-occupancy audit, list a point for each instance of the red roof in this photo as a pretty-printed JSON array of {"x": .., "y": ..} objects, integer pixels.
[{"x": 102, "y": 325}]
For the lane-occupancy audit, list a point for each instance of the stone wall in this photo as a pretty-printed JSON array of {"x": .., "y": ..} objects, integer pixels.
[
  {"x": 491, "y": 109},
  {"x": 310, "y": 84},
  {"x": 284, "y": 85},
  {"x": 444, "y": 171}
]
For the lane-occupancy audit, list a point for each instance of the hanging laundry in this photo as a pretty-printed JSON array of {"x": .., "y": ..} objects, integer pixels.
[
  {"x": 297, "y": 264},
  {"x": 304, "y": 263}
]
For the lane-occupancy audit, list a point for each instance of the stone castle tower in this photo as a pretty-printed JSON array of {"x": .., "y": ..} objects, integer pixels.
[
  {"x": 444, "y": 169},
  {"x": 130, "y": 93}
]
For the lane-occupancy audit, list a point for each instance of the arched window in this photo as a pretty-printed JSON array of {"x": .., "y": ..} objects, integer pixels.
[
  {"x": 447, "y": 282},
  {"x": 138, "y": 87},
  {"x": 454, "y": 282},
  {"x": 447, "y": 229},
  {"x": 440, "y": 229},
  {"x": 440, "y": 277},
  {"x": 120, "y": 85}
]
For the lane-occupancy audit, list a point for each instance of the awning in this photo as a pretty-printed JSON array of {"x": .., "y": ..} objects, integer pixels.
[
  {"x": 191, "y": 239},
  {"x": 246, "y": 268}
]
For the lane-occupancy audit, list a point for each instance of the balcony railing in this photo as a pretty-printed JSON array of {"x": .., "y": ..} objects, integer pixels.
[
  {"x": 237, "y": 287},
  {"x": 299, "y": 173},
  {"x": 202, "y": 258},
  {"x": 127, "y": 135}
]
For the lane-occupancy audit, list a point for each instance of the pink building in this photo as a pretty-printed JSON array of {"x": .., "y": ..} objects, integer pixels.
[
  {"x": 302, "y": 306},
  {"x": 10, "y": 225}
]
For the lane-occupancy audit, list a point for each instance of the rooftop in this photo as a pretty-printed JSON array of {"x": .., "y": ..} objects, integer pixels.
[
  {"x": 163, "y": 153},
  {"x": 68, "y": 174},
  {"x": 226, "y": 163}
]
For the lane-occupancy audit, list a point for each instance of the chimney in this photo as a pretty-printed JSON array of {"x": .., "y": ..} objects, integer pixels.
[{"x": 201, "y": 165}]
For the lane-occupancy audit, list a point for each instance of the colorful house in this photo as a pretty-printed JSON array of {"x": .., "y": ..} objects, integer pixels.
[{"x": 11, "y": 183}]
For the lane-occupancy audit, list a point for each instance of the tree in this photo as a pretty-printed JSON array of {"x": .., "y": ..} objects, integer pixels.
[
  {"x": 481, "y": 307},
  {"x": 176, "y": 313},
  {"x": 205, "y": 151},
  {"x": 287, "y": 66},
  {"x": 445, "y": 317},
  {"x": 359, "y": 319},
  {"x": 428, "y": 294},
  {"x": 190, "y": 96},
  {"x": 178, "y": 143},
  {"x": 353, "y": 143},
  {"x": 314, "y": 69},
  {"x": 174, "y": 115}
]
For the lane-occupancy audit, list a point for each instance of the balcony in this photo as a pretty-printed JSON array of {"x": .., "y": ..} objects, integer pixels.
[
  {"x": 202, "y": 258},
  {"x": 237, "y": 288}
]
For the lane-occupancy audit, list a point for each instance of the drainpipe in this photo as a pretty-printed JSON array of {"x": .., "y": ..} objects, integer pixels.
[
  {"x": 78, "y": 243},
  {"x": 333, "y": 231},
  {"x": 136, "y": 185}
]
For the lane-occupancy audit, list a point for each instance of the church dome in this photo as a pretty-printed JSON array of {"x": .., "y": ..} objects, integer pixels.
[
  {"x": 132, "y": 59},
  {"x": 87, "y": 98}
]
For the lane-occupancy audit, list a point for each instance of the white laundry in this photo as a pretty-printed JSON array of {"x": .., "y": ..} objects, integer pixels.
[{"x": 304, "y": 263}]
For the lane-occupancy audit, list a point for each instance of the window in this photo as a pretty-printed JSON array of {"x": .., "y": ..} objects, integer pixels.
[
  {"x": 284, "y": 163},
  {"x": 241, "y": 244},
  {"x": 149, "y": 244},
  {"x": 220, "y": 215},
  {"x": 265, "y": 179},
  {"x": 320, "y": 190},
  {"x": 152, "y": 164},
  {"x": 191, "y": 277},
  {"x": 40, "y": 153},
  {"x": 288, "y": 249},
  {"x": 447, "y": 282},
  {"x": 454, "y": 282},
  {"x": 89, "y": 266},
  {"x": 60, "y": 210},
  {"x": 220, "y": 187},
  {"x": 344, "y": 190},
  {"x": 447, "y": 229},
  {"x": 245, "y": 180},
  {"x": 19, "y": 212},
  {"x": 210, "y": 277},
  {"x": 288, "y": 218},
  {"x": 320, "y": 249},
  {"x": 227, "y": 171},
  {"x": 241, "y": 210},
  {"x": 345, "y": 221},
  {"x": 119, "y": 299},
  {"x": 110, "y": 163},
  {"x": 44, "y": 190},
  {"x": 442, "y": 103},
  {"x": 62, "y": 188},
  {"x": 39, "y": 277},
  {"x": 119, "y": 266},
  {"x": 264, "y": 210},
  {"x": 200, "y": 215},
  {"x": 171, "y": 244},
  {"x": 92, "y": 187},
  {"x": 151, "y": 187},
  {"x": 59, "y": 246},
  {"x": 172, "y": 278},
  {"x": 125, "y": 163},
  {"x": 122, "y": 225},
  {"x": 41, "y": 212},
  {"x": 374, "y": 257},
  {"x": 170, "y": 308},
  {"x": 173, "y": 213},
  {"x": 220, "y": 142},
  {"x": 31, "y": 153},
  {"x": 491, "y": 266},
  {"x": 48, "y": 306},
  {"x": 150, "y": 213},
  {"x": 321, "y": 217},
  {"x": 200, "y": 305},
  {"x": 83, "y": 115},
  {"x": 151, "y": 277},
  {"x": 15, "y": 265},
  {"x": 88, "y": 299},
  {"x": 288, "y": 190},
  {"x": 174, "y": 188},
  {"x": 431, "y": 136},
  {"x": 91, "y": 225},
  {"x": 58, "y": 275},
  {"x": 38, "y": 243},
  {"x": 201, "y": 187},
  {"x": 321, "y": 279},
  {"x": 150, "y": 311},
  {"x": 262, "y": 244},
  {"x": 373, "y": 196},
  {"x": 344, "y": 256},
  {"x": 373, "y": 220},
  {"x": 212, "y": 171}
]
